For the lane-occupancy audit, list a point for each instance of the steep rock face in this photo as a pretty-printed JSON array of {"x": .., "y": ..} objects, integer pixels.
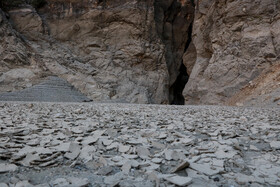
[
  {"x": 108, "y": 50},
  {"x": 234, "y": 42},
  {"x": 16, "y": 59},
  {"x": 125, "y": 51},
  {"x": 145, "y": 51},
  {"x": 12, "y": 48}
]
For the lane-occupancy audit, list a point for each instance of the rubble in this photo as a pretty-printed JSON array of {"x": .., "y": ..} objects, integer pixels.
[{"x": 137, "y": 145}]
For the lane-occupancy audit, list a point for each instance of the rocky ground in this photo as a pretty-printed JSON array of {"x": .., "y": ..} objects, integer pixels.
[{"x": 58, "y": 144}]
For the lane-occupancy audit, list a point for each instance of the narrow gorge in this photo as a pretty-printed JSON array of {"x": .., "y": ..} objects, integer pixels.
[
  {"x": 139, "y": 93},
  {"x": 151, "y": 51},
  {"x": 174, "y": 21}
]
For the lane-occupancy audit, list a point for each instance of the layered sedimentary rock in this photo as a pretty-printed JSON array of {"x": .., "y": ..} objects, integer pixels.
[
  {"x": 144, "y": 51},
  {"x": 234, "y": 42},
  {"x": 52, "y": 89},
  {"x": 126, "y": 51}
]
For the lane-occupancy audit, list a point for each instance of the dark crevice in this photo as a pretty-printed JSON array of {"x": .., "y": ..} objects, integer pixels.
[
  {"x": 174, "y": 21},
  {"x": 189, "y": 37},
  {"x": 176, "y": 90}
]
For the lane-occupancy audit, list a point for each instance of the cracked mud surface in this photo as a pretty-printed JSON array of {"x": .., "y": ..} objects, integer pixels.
[{"x": 58, "y": 144}]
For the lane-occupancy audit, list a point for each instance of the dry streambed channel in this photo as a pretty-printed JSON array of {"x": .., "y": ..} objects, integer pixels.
[{"x": 59, "y": 144}]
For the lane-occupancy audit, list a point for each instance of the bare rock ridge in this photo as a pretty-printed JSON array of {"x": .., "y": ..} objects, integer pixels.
[{"x": 144, "y": 51}]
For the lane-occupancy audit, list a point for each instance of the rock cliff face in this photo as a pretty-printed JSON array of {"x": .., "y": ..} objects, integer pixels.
[
  {"x": 142, "y": 51},
  {"x": 234, "y": 42},
  {"x": 111, "y": 50}
]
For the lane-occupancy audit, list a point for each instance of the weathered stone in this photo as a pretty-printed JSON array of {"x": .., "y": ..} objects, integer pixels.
[
  {"x": 143, "y": 152},
  {"x": 275, "y": 144},
  {"x": 105, "y": 170},
  {"x": 7, "y": 168},
  {"x": 60, "y": 182},
  {"x": 168, "y": 154},
  {"x": 178, "y": 180},
  {"x": 206, "y": 168},
  {"x": 126, "y": 167},
  {"x": 123, "y": 148},
  {"x": 3, "y": 184},
  {"x": 157, "y": 160},
  {"x": 23, "y": 184},
  {"x": 114, "y": 178},
  {"x": 79, "y": 182},
  {"x": 74, "y": 151},
  {"x": 223, "y": 35},
  {"x": 180, "y": 167},
  {"x": 90, "y": 140}
]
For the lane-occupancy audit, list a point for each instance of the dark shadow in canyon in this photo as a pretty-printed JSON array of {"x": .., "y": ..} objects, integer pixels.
[
  {"x": 182, "y": 79},
  {"x": 177, "y": 88},
  {"x": 174, "y": 21}
]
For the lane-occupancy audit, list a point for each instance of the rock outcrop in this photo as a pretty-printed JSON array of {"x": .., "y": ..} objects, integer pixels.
[
  {"x": 234, "y": 42},
  {"x": 143, "y": 51},
  {"x": 111, "y": 50}
]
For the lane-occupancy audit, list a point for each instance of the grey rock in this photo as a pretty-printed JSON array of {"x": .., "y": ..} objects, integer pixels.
[
  {"x": 143, "y": 152},
  {"x": 23, "y": 184},
  {"x": 180, "y": 167},
  {"x": 74, "y": 151},
  {"x": 105, "y": 170},
  {"x": 59, "y": 182},
  {"x": 3, "y": 184},
  {"x": 178, "y": 180},
  {"x": 4, "y": 168},
  {"x": 275, "y": 144},
  {"x": 78, "y": 182}
]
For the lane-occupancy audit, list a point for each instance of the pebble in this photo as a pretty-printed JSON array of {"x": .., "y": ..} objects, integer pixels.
[
  {"x": 275, "y": 144},
  {"x": 143, "y": 152},
  {"x": 8, "y": 168},
  {"x": 123, "y": 148},
  {"x": 73, "y": 152},
  {"x": 180, "y": 167},
  {"x": 126, "y": 167},
  {"x": 59, "y": 182},
  {"x": 157, "y": 160},
  {"x": 179, "y": 181},
  {"x": 3, "y": 184},
  {"x": 78, "y": 182},
  {"x": 105, "y": 170}
]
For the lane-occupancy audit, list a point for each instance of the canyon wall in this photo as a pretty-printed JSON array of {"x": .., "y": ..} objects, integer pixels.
[
  {"x": 109, "y": 50},
  {"x": 235, "y": 41},
  {"x": 144, "y": 51}
]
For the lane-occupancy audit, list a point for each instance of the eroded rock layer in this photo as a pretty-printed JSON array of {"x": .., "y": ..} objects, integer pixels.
[
  {"x": 234, "y": 42},
  {"x": 145, "y": 51},
  {"x": 111, "y": 50},
  {"x": 52, "y": 89}
]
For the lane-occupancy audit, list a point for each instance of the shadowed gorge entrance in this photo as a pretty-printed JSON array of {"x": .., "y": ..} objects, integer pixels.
[
  {"x": 174, "y": 21},
  {"x": 177, "y": 88}
]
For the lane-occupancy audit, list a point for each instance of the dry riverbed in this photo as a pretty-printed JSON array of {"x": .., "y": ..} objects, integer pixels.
[{"x": 58, "y": 144}]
